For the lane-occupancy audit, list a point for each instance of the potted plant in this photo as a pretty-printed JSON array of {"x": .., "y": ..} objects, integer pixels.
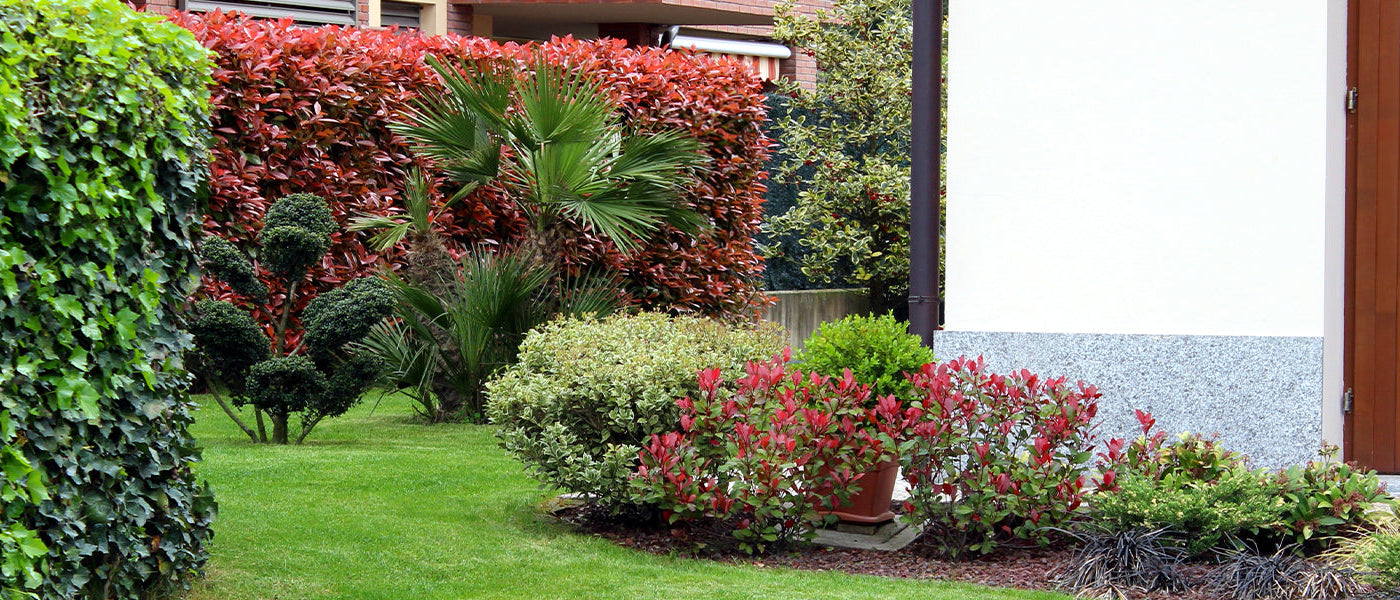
[{"x": 877, "y": 351}]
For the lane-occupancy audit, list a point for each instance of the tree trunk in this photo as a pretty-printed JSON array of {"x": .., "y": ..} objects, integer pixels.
[
  {"x": 449, "y": 404},
  {"x": 262, "y": 429},
  {"x": 279, "y": 429}
]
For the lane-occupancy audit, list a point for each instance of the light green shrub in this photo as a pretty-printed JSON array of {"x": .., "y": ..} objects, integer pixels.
[
  {"x": 586, "y": 394},
  {"x": 877, "y": 350},
  {"x": 1201, "y": 515}
]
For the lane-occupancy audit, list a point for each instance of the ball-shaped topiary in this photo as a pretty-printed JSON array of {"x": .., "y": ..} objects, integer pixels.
[
  {"x": 319, "y": 377},
  {"x": 877, "y": 350},
  {"x": 587, "y": 393}
]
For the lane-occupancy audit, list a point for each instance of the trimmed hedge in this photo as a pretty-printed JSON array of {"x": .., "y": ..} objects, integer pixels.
[
  {"x": 102, "y": 157},
  {"x": 308, "y": 110}
]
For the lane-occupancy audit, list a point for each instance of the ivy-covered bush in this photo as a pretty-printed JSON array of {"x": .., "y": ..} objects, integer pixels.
[
  {"x": 324, "y": 373},
  {"x": 588, "y": 394},
  {"x": 301, "y": 109},
  {"x": 877, "y": 350},
  {"x": 771, "y": 458},
  {"x": 991, "y": 457},
  {"x": 102, "y": 159}
]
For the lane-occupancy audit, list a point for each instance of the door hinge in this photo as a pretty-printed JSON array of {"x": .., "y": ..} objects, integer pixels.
[
  {"x": 1353, "y": 97},
  {"x": 1347, "y": 400}
]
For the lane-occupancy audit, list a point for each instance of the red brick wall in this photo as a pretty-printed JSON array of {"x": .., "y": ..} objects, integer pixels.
[
  {"x": 163, "y": 7},
  {"x": 459, "y": 18}
]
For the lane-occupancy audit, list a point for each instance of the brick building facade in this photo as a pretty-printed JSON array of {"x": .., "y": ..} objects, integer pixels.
[{"x": 737, "y": 28}]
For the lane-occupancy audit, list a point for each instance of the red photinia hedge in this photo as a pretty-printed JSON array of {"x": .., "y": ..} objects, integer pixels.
[{"x": 308, "y": 109}]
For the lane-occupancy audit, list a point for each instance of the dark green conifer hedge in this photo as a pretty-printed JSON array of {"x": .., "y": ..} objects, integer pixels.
[{"x": 103, "y": 130}]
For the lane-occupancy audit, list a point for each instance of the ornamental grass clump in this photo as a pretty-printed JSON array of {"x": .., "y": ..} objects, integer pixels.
[
  {"x": 587, "y": 394},
  {"x": 321, "y": 375}
]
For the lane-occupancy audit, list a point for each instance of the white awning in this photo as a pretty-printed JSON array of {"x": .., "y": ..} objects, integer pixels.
[{"x": 762, "y": 57}]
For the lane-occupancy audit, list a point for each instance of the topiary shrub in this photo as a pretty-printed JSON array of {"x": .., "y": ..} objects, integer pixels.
[
  {"x": 102, "y": 161},
  {"x": 320, "y": 376},
  {"x": 877, "y": 350},
  {"x": 588, "y": 394}
]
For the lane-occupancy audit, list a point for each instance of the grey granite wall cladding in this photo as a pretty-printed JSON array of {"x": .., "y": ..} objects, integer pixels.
[{"x": 1262, "y": 395}]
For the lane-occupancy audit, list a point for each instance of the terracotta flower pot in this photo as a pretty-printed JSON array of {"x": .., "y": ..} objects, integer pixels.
[{"x": 872, "y": 503}]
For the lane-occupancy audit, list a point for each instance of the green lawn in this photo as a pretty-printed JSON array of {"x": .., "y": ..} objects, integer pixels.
[{"x": 376, "y": 506}]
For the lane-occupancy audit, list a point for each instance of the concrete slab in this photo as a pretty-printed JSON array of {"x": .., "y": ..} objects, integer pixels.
[{"x": 888, "y": 537}]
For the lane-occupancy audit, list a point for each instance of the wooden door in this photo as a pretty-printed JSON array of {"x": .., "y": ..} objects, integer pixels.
[{"x": 1373, "y": 235}]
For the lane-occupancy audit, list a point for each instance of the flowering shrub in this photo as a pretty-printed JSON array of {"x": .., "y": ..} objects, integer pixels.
[
  {"x": 299, "y": 109},
  {"x": 1192, "y": 456},
  {"x": 1206, "y": 494},
  {"x": 769, "y": 457},
  {"x": 991, "y": 456}
]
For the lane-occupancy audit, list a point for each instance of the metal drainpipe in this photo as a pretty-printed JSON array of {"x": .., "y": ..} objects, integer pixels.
[{"x": 925, "y": 305}]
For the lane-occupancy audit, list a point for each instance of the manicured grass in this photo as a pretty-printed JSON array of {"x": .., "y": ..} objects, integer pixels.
[{"x": 375, "y": 506}]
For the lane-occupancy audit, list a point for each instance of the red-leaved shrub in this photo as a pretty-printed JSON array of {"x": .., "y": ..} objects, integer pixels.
[
  {"x": 769, "y": 458},
  {"x": 991, "y": 457},
  {"x": 308, "y": 110}
]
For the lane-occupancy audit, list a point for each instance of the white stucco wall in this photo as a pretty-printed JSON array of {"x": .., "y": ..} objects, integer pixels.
[{"x": 1146, "y": 168}]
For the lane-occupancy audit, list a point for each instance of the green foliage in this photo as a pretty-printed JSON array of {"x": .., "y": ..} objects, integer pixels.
[
  {"x": 451, "y": 337},
  {"x": 317, "y": 378},
  {"x": 102, "y": 160},
  {"x": 850, "y": 136},
  {"x": 1327, "y": 498},
  {"x": 226, "y": 263},
  {"x": 1319, "y": 503},
  {"x": 345, "y": 314},
  {"x": 1201, "y": 515},
  {"x": 568, "y": 156},
  {"x": 230, "y": 341},
  {"x": 301, "y": 210},
  {"x": 21, "y": 485},
  {"x": 877, "y": 350},
  {"x": 1379, "y": 556},
  {"x": 285, "y": 384},
  {"x": 587, "y": 394}
]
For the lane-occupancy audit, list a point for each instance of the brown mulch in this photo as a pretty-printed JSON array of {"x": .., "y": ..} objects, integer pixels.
[{"x": 1024, "y": 568}]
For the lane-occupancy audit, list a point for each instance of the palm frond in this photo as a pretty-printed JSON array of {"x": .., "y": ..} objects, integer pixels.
[
  {"x": 392, "y": 229},
  {"x": 596, "y": 295},
  {"x": 659, "y": 157},
  {"x": 559, "y": 106}
]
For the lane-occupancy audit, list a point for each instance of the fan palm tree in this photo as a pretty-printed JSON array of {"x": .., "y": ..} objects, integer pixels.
[
  {"x": 428, "y": 261},
  {"x": 555, "y": 139},
  {"x": 446, "y": 344}
]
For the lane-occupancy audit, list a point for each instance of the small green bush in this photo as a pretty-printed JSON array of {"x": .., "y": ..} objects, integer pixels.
[
  {"x": 1200, "y": 515},
  {"x": 1327, "y": 498},
  {"x": 877, "y": 350},
  {"x": 587, "y": 394},
  {"x": 1379, "y": 556}
]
